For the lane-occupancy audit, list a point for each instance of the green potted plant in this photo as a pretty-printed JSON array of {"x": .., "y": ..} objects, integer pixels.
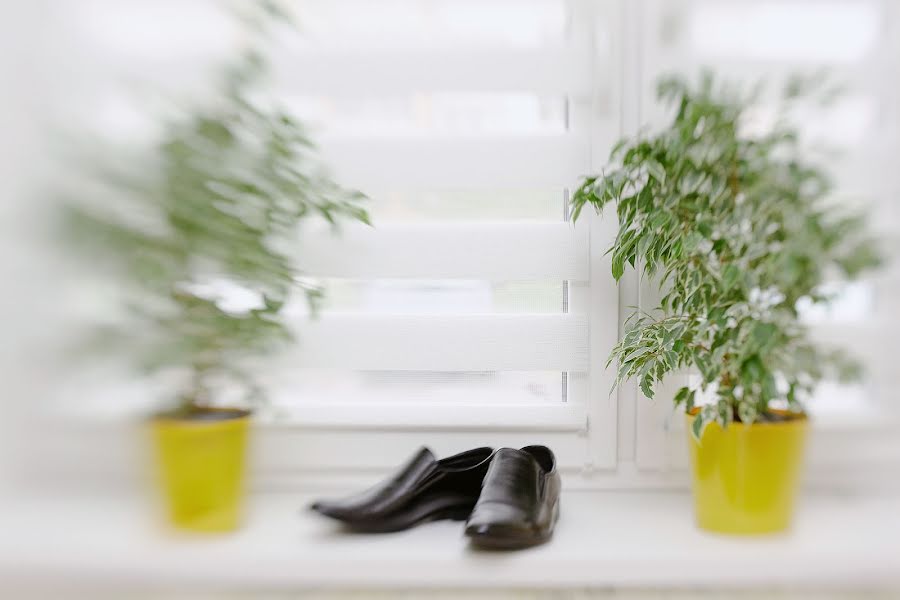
[
  {"x": 738, "y": 232},
  {"x": 208, "y": 216}
]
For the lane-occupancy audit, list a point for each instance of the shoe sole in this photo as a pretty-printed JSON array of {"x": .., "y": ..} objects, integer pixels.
[
  {"x": 489, "y": 542},
  {"x": 436, "y": 510}
]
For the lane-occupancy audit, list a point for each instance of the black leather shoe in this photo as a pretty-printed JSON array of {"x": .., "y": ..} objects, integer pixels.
[
  {"x": 423, "y": 489},
  {"x": 519, "y": 502}
]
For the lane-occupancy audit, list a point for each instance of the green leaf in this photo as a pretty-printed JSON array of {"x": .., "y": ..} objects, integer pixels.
[
  {"x": 618, "y": 147},
  {"x": 698, "y": 425},
  {"x": 618, "y": 265},
  {"x": 692, "y": 240},
  {"x": 730, "y": 276},
  {"x": 689, "y": 400},
  {"x": 705, "y": 229},
  {"x": 752, "y": 369},
  {"x": 647, "y": 386},
  {"x": 656, "y": 170},
  {"x": 577, "y": 212},
  {"x": 763, "y": 334},
  {"x": 706, "y": 369},
  {"x": 636, "y": 353}
]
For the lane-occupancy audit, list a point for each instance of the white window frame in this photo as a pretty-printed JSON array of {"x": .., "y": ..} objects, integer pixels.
[{"x": 619, "y": 440}]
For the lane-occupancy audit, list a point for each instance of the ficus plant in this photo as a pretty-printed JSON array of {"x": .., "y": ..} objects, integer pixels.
[
  {"x": 739, "y": 232},
  {"x": 210, "y": 213}
]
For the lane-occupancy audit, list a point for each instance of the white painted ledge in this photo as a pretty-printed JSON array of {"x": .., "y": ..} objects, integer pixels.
[{"x": 604, "y": 540}]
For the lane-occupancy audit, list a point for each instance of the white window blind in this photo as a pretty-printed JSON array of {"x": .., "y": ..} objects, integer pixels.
[{"x": 469, "y": 312}]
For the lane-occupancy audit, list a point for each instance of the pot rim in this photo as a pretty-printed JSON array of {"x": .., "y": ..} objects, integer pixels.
[
  {"x": 229, "y": 413},
  {"x": 795, "y": 417}
]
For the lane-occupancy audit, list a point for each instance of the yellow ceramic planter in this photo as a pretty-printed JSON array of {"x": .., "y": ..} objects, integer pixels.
[
  {"x": 201, "y": 465},
  {"x": 745, "y": 478}
]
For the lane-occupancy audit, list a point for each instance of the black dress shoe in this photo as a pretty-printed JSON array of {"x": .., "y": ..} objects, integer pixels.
[
  {"x": 519, "y": 502},
  {"x": 423, "y": 489}
]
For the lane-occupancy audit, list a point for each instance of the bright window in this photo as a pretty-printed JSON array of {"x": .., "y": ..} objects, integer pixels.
[{"x": 474, "y": 312}]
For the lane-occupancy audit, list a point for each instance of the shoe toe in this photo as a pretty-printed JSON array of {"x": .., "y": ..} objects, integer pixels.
[
  {"x": 498, "y": 530},
  {"x": 328, "y": 509},
  {"x": 320, "y": 507},
  {"x": 498, "y": 520}
]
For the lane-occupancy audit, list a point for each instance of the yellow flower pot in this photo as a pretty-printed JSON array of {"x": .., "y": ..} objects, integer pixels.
[
  {"x": 745, "y": 478},
  {"x": 201, "y": 462}
]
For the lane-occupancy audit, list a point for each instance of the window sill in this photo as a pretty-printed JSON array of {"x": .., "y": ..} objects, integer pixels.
[{"x": 603, "y": 540}]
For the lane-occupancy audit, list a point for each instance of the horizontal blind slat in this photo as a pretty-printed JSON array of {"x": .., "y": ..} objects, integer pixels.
[
  {"x": 557, "y": 69},
  {"x": 875, "y": 342},
  {"x": 442, "y": 343},
  {"x": 459, "y": 163},
  {"x": 548, "y": 417},
  {"x": 554, "y": 70},
  {"x": 498, "y": 252}
]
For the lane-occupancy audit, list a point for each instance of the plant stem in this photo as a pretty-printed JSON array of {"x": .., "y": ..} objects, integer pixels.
[{"x": 198, "y": 395}]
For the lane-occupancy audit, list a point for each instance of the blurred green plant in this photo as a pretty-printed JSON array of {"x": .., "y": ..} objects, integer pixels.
[
  {"x": 215, "y": 207},
  {"x": 737, "y": 230}
]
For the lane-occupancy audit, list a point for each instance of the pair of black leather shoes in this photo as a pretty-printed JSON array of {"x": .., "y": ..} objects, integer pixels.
[{"x": 510, "y": 498}]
